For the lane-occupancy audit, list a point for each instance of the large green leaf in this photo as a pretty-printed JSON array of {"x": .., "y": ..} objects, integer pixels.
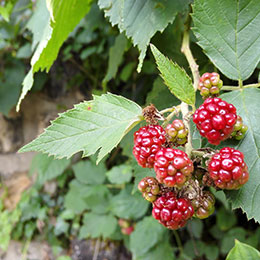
[
  {"x": 243, "y": 251},
  {"x": 177, "y": 80},
  {"x": 228, "y": 31},
  {"x": 142, "y": 19},
  {"x": 128, "y": 206},
  {"x": 95, "y": 226},
  {"x": 247, "y": 103},
  {"x": 148, "y": 233},
  {"x": 95, "y": 125},
  {"x": 120, "y": 174},
  {"x": 47, "y": 167},
  {"x": 63, "y": 18}
]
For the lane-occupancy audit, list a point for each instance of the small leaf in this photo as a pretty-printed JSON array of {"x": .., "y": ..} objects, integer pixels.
[
  {"x": 226, "y": 219},
  {"x": 128, "y": 206},
  {"x": 90, "y": 126},
  {"x": 148, "y": 232},
  {"x": 176, "y": 79},
  {"x": 89, "y": 173},
  {"x": 120, "y": 174},
  {"x": 116, "y": 53},
  {"x": 96, "y": 226},
  {"x": 243, "y": 251},
  {"x": 228, "y": 33}
]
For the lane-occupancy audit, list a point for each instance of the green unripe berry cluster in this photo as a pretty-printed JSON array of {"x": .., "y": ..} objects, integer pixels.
[
  {"x": 210, "y": 85},
  {"x": 149, "y": 187},
  {"x": 177, "y": 132},
  {"x": 239, "y": 129}
]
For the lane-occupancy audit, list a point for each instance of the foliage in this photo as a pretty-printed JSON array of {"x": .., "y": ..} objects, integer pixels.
[{"x": 98, "y": 59}]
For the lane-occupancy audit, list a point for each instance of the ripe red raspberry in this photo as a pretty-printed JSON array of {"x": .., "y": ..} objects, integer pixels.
[
  {"x": 239, "y": 129},
  {"x": 228, "y": 169},
  {"x": 147, "y": 142},
  {"x": 172, "y": 167},
  {"x": 171, "y": 212},
  {"x": 204, "y": 205},
  {"x": 210, "y": 84},
  {"x": 215, "y": 119},
  {"x": 177, "y": 132},
  {"x": 149, "y": 186}
]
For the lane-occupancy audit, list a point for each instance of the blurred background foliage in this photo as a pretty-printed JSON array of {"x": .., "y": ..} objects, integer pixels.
[{"x": 77, "y": 199}]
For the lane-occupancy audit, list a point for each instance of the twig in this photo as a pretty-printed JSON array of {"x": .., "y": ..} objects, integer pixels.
[
  {"x": 178, "y": 241},
  {"x": 97, "y": 247},
  {"x": 175, "y": 111}
]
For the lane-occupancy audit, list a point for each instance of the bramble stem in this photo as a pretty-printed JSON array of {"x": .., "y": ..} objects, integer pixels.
[
  {"x": 255, "y": 85},
  {"x": 174, "y": 111},
  {"x": 178, "y": 241},
  {"x": 185, "y": 113}
]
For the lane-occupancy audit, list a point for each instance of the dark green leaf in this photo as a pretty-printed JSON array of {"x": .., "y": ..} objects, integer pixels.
[{"x": 120, "y": 174}]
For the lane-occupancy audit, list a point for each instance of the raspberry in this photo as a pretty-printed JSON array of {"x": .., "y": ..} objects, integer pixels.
[
  {"x": 177, "y": 132},
  {"x": 215, "y": 119},
  {"x": 204, "y": 205},
  {"x": 239, "y": 129},
  {"x": 172, "y": 167},
  {"x": 210, "y": 85},
  {"x": 228, "y": 169},
  {"x": 147, "y": 142},
  {"x": 149, "y": 186},
  {"x": 127, "y": 231},
  {"x": 171, "y": 212}
]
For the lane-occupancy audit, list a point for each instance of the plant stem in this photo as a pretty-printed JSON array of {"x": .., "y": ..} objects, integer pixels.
[
  {"x": 255, "y": 85},
  {"x": 240, "y": 83},
  {"x": 185, "y": 49},
  {"x": 178, "y": 241},
  {"x": 175, "y": 110},
  {"x": 185, "y": 113},
  {"x": 97, "y": 247}
]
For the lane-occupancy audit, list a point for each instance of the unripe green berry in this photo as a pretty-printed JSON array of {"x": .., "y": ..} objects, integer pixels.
[
  {"x": 150, "y": 189},
  {"x": 177, "y": 132},
  {"x": 239, "y": 129}
]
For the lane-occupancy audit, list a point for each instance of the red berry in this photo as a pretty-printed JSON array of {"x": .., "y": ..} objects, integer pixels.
[
  {"x": 171, "y": 212},
  {"x": 172, "y": 167},
  {"x": 215, "y": 119},
  {"x": 149, "y": 186},
  {"x": 210, "y": 84},
  {"x": 177, "y": 132},
  {"x": 147, "y": 142},
  {"x": 228, "y": 169}
]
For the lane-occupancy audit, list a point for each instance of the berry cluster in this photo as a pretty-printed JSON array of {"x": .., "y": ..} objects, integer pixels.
[
  {"x": 177, "y": 132},
  {"x": 172, "y": 212},
  {"x": 228, "y": 169},
  {"x": 215, "y": 119},
  {"x": 210, "y": 84},
  {"x": 179, "y": 192}
]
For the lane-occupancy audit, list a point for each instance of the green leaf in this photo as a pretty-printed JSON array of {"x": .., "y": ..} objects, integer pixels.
[
  {"x": 96, "y": 226},
  {"x": 243, "y": 251},
  {"x": 116, "y": 53},
  {"x": 133, "y": 16},
  {"x": 89, "y": 173},
  {"x": 91, "y": 126},
  {"x": 247, "y": 102},
  {"x": 120, "y": 174},
  {"x": 148, "y": 232},
  {"x": 54, "y": 30},
  {"x": 227, "y": 31},
  {"x": 196, "y": 227},
  {"x": 128, "y": 206},
  {"x": 175, "y": 78},
  {"x": 162, "y": 250},
  {"x": 47, "y": 167},
  {"x": 6, "y": 9},
  {"x": 226, "y": 219}
]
